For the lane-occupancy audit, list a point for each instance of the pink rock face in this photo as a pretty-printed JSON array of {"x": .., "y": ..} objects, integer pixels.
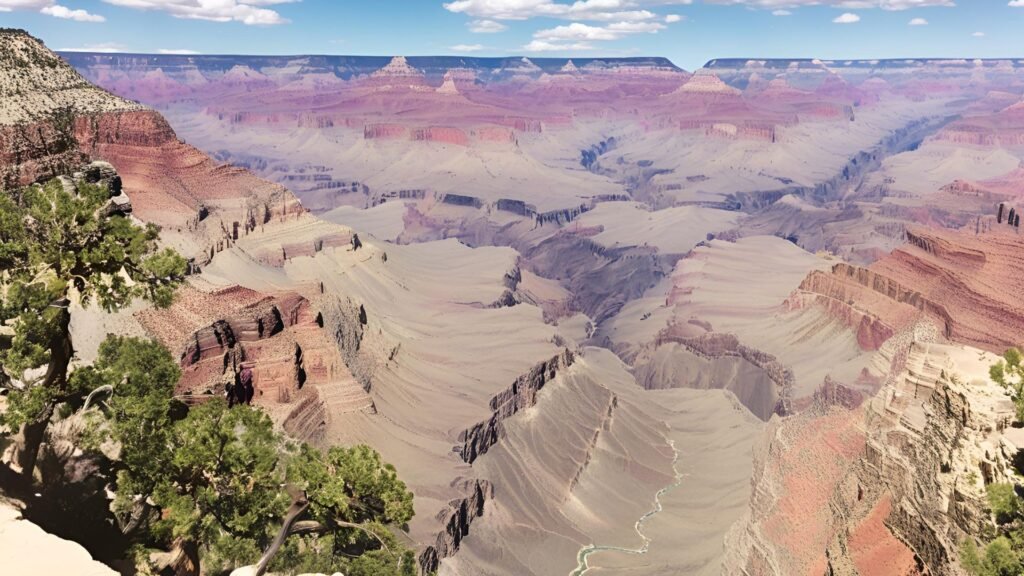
[
  {"x": 806, "y": 467},
  {"x": 874, "y": 549},
  {"x": 1001, "y": 128},
  {"x": 400, "y": 102},
  {"x": 707, "y": 83},
  {"x": 495, "y": 134},
  {"x": 385, "y": 132},
  {"x": 442, "y": 134},
  {"x": 272, "y": 342},
  {"x": 965, "y": 282}
]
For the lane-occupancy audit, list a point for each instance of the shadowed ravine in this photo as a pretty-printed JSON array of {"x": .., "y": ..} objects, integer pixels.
[{"x": 582, "y": 558}]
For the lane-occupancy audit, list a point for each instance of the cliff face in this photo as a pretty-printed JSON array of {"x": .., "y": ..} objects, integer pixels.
[
  {"x": 964, "y": 281},
  {"x": 455, "y": 521},
  {"x": 762, "y": 383},
  {"x": 934, "y": 442},
  {"x": 522, "y": 394},
  {"x": 53, "y": 120},
  {"x": 900, "y": 480},
  {"x": 42, "y": 99},
  {"x": 271, "y": 350}
]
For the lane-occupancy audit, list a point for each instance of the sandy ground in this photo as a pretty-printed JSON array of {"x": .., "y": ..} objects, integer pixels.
[{"x": 672, "y": 230}]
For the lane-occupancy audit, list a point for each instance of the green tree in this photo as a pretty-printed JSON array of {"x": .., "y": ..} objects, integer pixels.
[
  {"x": 1001, "y": 556},
  {"x": 138, "y": 377},
  {"x": 231, "y": 492},
  {"x": 221, "y": 493},
  {"x": 1009, "y": 373},
  {"x": 62, "y": 241},
  {"x": 1004, "y": 502}
]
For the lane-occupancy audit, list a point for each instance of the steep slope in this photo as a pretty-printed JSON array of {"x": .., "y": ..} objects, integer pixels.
[
  {"x": 710, "y": 326},
  {"x": 53, "y": 120},
  {"x": 965, "y": 281},
  {"x": 900, "y": 481}
]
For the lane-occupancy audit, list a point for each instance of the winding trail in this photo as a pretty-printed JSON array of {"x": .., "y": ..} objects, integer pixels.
[{"x": 582, "y": 558}]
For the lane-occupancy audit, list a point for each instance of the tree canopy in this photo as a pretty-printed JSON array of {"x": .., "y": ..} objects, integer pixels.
[
  {"x": 1002, "y": 555},
  {"x": 61, "y": 241},
  {"x": 221, "y": 481},
  {"x": 1009, "y": 373}
]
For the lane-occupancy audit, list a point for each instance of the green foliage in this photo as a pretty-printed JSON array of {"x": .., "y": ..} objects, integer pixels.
[
  {"x": 58, "y": 241},
  {"x": 142, "y": 374},
  {"x": 353, "y": 483},
  {"x": 1000, "y": 556},
  {"x": 222, "y": 486},
  {"x": 1005, "y": 503},
  {"x": 217, "y": 476},
  {"x": 1009, "y": 373}
]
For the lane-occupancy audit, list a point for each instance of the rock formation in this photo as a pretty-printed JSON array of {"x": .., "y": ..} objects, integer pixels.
[
  {"x": 521, "y": 395},
  {"x": 270, "y": 350},
  {"x": 963, "y": 281}
]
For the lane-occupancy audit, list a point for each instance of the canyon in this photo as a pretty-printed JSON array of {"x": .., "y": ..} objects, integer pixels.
[{"x": 605, "y": 316}]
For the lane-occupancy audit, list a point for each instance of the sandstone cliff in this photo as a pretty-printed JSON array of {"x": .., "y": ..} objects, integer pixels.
[
  {"x": 891, "y": 486},
  {"x": 965, "y": 281},
  {"x": 52, "y": 120}
]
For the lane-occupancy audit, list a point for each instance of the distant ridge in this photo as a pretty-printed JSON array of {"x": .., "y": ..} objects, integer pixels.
[
  {"x": 346, "y": 66},
  {"x": 774, "y": 63}
]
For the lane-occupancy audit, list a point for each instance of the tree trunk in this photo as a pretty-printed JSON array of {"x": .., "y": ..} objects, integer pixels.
[
  {"x": 32, "y": 436},
  {"x": 33, "y": 433},
  {"x": 299, "y": 505}
]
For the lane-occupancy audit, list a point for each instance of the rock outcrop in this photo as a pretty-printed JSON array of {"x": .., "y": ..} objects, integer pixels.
[
  {"x": 267, "y": 349},
  {"x": 455, "y": 521},
  {"x": 521, "y": 395},
  {"x": 714, "y": 346},
  {"x": 706, "y": 82},
  {"x": 965, "y": 281},
  {"x": 903, "y": 472}
]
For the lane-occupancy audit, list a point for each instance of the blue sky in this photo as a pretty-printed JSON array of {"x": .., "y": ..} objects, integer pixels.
[{"x": 690, "y": 32}]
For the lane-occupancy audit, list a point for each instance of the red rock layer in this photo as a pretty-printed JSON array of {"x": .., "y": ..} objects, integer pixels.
[
  {"x": 1003, "y": 128},
  {"x": 443, "y": 134},
  {"x": 34, "y": 152},
  {"x": 1007, "y": 186},
  {"x": 170, "y": 183},
  {"x": 874, "y": 549},
  {"x": 968, "y": 283},
  {"x": 385, "y": 131},
  {"x": 805, "y": 462},
  {"x": 296, "y": 373}
]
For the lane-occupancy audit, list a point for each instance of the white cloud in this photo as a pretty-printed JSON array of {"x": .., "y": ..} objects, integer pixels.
[
  {"x": 917, "y": 22},
  {"x": 11, "y": 5},
  {"x": 486, "y": 27},
  {"x": 58, "y": 11},
  {"x": 577, "y": 31},
  {"x": 101, "y": 47},
  {"x": 891, "y": 5},
  {"x": 846, "y": 18},
  {"x": 673, "y": 18},
  {"x": 249, "y": 12},
  {"x": 50, "y": 8},
  {"x": 545, "y": 46},
  {"x": 978, "y": 34},
  {"x": 181, "y": 51},
  {"x": 466, "y": 48},
  {"x": 579, "y": 36},
  {"x": 781, "y": 13},
  {"x": 578, "y": 10},
  {"x": 1016, "y": 4}
]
